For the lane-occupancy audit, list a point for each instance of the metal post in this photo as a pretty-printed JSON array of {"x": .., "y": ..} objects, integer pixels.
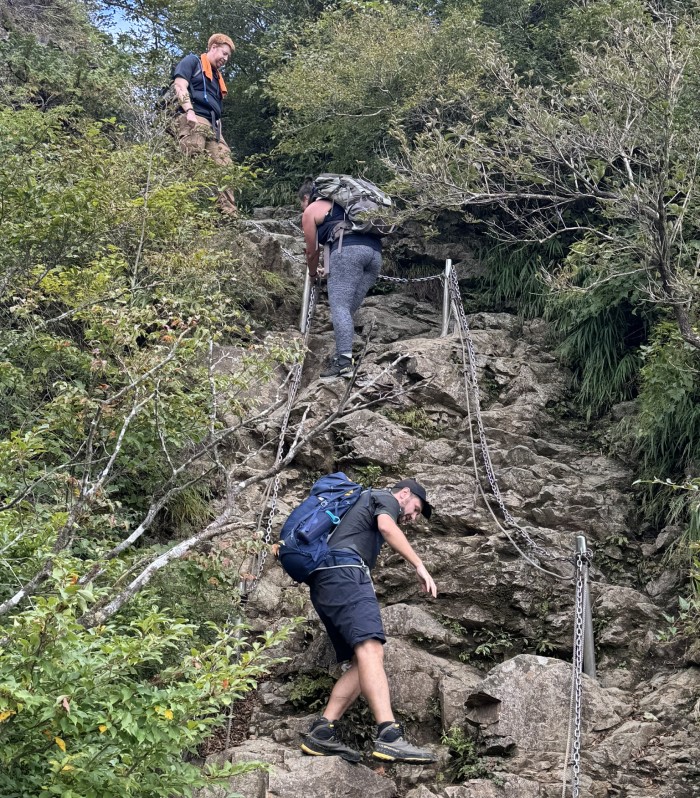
[
  {"x": 305, "y": 302},
  {"x": 446, "y": 303},
  {"x": 588, "y": 642}
]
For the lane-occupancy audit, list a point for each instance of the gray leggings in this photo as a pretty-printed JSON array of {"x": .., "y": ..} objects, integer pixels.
[{"x": 352, "y": 273}]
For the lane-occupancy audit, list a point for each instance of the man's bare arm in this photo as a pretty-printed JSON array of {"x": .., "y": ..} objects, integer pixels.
[
  {"x": 182, "y": 92},
  {"x": 393, "y": 535}
]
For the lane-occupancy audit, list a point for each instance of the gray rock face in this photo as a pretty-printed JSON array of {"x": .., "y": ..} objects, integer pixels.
[
  {"x": 367, "y": 437},
  {"x": 628, "y": 618},
  {"x": 511, "y": 787},
  {"x": 409, "y": 621},
  {"x": 292, "y": 775},
  {"x": 470, "y": 661},
  {"x": 518, "y": 706},
  {"x": 303, "y": 776},
  {"x": 415, "y": 678}
]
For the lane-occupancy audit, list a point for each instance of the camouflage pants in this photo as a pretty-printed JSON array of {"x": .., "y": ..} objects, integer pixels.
[{"x": 201, "y": 139}]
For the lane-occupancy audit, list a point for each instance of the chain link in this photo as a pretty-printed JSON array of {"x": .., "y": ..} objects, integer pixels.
[
  {"x": 297, "y": 370},
  {"x": 458, "y": 306},
  {"x": 411, "y": 279},
  {"x": 577, "y": 671}
]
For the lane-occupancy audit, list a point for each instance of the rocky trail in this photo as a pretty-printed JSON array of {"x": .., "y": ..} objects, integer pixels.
[{"x": 482, "y": 674}]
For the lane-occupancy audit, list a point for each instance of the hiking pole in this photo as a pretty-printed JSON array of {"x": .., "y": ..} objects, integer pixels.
[
  {"x": 446, "y": 299},
  {"x": 305, "y": 302},
  {"x": 588, "y": 643}
]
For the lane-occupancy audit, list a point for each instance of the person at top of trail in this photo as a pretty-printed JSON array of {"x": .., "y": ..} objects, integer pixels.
[
  {"x": 200, "y": 91},
  {"x": 355, "y": 263},
  {"x": 343, "y": 596}
]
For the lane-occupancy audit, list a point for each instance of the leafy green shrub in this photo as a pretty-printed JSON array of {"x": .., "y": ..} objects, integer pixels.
[
  {"x": 201, "y": 586},
  {"x": 602, "y": 327},
  {"x": 335, "y": 109},
  {"x": 685, "y": 624},
  {"x": 116, "y": 288},
  {"x": 120, "y": 300},
  {"x": 109, "y": 711},
  {"x": 514, "y": 275},
  {"x": 668, "y": 502},
  {"x": 666, "y": 436},
  {"x": 416, "y": 419},
  {"x": 465, "y": 764},
  {"x": 668, "y": 433},
  {"x": 310, "y": 692},
  {"x": 367, "y": 475},
  {"x": 71, "y": 64}
]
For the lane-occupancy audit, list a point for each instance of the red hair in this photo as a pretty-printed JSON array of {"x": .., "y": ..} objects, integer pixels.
[{"x": 217, "y": 39}]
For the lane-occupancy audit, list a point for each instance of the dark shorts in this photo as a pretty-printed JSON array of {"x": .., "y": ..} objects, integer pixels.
[{"x": 345, "y": 601}]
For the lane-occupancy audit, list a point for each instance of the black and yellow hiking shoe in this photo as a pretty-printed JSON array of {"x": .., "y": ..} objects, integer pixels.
[
  {"x": 323, "y": 739},
  {"x": 391, "y": 746}
]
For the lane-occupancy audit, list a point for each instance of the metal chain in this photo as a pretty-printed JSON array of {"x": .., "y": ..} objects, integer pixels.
[
  {"x": 577, "y": 672},
  {"x": 580, "y": 560},
  {"x": 457, "y": 304},
  {"x": 297, "y": 370},
  {"x": 411, "y": 279}
]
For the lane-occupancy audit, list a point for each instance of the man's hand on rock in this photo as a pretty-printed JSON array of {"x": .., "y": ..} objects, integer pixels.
[{"x": 426, "y": 581}]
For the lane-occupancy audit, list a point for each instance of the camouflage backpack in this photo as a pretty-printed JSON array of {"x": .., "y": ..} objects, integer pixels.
[{"x": 366, "y": 207}]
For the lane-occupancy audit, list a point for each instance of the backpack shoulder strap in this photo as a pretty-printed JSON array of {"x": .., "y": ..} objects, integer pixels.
[{"x": 359, "y": 499}]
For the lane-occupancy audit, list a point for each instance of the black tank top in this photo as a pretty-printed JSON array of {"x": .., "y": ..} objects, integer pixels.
[{"x": 332, "y": 218}]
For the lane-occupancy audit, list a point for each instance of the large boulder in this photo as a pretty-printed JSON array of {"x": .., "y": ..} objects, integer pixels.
[
  {"x": 416, "y": 679},
  {"x": 522, "y": 706}
]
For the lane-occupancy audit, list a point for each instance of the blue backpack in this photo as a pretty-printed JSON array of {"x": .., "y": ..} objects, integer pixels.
[{"x": 304, "y": 536}]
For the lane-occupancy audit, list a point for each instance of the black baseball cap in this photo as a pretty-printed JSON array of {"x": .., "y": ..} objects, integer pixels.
[{"x": 417, "y": 489}]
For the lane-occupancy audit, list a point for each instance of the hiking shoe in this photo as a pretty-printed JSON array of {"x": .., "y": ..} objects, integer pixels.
[
  {"x": 391, "y": 746},
  {"x": 339, "y": 366},
  {"x": 323, "y": 739}
]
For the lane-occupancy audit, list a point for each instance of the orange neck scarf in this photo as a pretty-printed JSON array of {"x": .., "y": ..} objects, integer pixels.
[{"x": 209, "y": 72}]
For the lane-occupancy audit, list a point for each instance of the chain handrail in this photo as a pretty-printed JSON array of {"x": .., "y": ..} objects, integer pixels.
[
  {"x": 427, "y": 279},
  {"x": 573, "y": 744},
  {"x": 471, "y": 386},
  {"x": 471, "y": 378},
  {"x": 580, "y": 560}
]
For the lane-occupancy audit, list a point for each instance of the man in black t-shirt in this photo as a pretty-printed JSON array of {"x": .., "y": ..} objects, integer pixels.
[
  {"x": 200, "y": 91},
  {"x": 343, "y": 596}
]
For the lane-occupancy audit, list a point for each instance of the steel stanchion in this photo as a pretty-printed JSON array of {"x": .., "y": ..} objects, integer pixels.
[
  {"x": 446, "y": 302},
  {"x": 305, "y": 302}
]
